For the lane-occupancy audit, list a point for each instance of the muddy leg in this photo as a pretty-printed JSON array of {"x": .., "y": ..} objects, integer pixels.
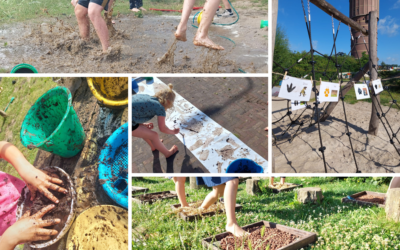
[
  {"x": 99, "y": 24},
  {"x": 201, "y": 38},
  {"x": 211, "y": 198},
  {"x": 180, "y": 189},
  {"x": 145, "y": 133},
  {"x": 81, "y": 14},
  {"x": 180, "y": 33},
  {"x": 230, "y": 203}
]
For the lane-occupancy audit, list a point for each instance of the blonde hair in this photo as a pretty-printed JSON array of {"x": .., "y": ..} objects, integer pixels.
[{"x": 166, "y": 96}]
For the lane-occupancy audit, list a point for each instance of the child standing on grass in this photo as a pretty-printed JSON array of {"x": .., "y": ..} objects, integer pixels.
[
  {"x": 29, "y": 228},
  {"x": 144, "y": 108},
  {"x": 136, "y": 5},
  {"x": 222, "y": 186}
]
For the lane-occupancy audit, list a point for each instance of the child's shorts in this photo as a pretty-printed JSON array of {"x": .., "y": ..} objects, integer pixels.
[
  {"x": 134, "y": 127},
  {"x": 103, "y": 3}
]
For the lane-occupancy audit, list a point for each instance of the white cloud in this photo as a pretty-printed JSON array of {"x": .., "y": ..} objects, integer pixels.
[
  {"x": 391, "y": 59},
  {"x": 315, "y": 44},
  {"x": 388, "y": 26},
  {"x": 396, "y": 5}
]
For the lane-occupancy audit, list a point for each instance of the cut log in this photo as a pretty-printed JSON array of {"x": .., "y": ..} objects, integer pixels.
[
  {"x": 332, "y": 11},
  {"x": 309, "y": 195},
  {"x": 252, "y": 186},
  {"x": 331, "y": 106},
  {"x": 392, "y": 205},
  {"x": 193, "y": 183}
]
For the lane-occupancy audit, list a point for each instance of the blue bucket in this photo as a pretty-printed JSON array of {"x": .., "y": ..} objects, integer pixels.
[
  {"x": 244, "y": 166},
  {"x": 113, "y": 166}
]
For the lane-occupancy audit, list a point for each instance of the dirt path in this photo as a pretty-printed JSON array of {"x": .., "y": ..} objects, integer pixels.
[{"x": 53, "y": 46}]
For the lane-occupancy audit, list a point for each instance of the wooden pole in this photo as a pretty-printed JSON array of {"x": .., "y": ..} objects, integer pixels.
[
  {"x": 330, "y": 10},
  {"x": 373, "y": 63},
  {"x": 275, "y": 4},
  {"x": 331, "y": 106}
]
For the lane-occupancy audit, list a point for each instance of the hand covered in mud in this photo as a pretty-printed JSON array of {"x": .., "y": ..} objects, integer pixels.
[
  {"x": 149, "y": 125},
  {"x": 29, "y": 228},
  {"x": 38, "y": 181}
]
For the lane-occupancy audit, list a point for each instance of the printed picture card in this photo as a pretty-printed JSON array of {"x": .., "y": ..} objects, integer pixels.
[
  {"x": 362, "y": 91},
  {"x": 296, "y": 105},
  {"x": 296, "y": 89},
  {"x": 329, "y": 92},
  {"x": 377, "y": 86}
]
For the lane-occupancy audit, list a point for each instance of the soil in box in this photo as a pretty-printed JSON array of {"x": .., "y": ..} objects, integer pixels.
[
  {"x": 367, "y": 198},
  {"x": 152, "y": 197},
  {"x": 61, "y": 210},
  {"x": 274, "y": 236},
  {"x": 193, "y": 212},
  {"x": 277, "y": 187}
]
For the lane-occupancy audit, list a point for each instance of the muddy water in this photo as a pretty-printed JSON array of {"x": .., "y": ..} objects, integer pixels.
[{"x": 138, "y": 43}]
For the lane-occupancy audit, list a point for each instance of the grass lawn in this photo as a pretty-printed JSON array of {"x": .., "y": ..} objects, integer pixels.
[
  {"x": 25, "y": 91},
  {"x": 338, "y": 226}
]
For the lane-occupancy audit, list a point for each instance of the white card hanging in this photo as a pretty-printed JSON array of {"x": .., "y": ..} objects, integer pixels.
[
  {"x": 377, "y": 86},
  {"x": 362, "y": 91},
  {"x": 329, "y": 92},
  {"x": 296, "y": 105},
  {"x": 296, "y": 89}
]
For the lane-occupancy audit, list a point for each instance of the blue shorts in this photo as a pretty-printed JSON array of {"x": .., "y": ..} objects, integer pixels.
[
  {"x": 213, "y": 181},
  {"x": 103, "y": 3}
]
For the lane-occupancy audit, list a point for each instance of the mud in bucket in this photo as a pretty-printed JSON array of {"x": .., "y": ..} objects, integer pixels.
[
  {"x": 244, "y": 166},
  {"x": 52, "y": 125}
]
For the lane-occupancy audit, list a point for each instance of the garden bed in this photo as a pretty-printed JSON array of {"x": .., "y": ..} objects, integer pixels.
[
  {"x": 209, "y": 212},
  {"x": 286, "y": 187},
  {"x": 139, "y": 189},
  {"x": 152, "y": 197},
  {"x": 287, "y": 238},
  {"x": 367, "y": 198}
]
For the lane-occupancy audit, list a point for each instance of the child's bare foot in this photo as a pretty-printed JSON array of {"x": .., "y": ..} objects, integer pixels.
[
  {"x": 206, "y": 42},
  {"x": 152, "y": 147},
  {"x": 236, "y": 230},
  {"x": 141, "y": 8},
  {"x": 180, "y": 34},
  {"x": 135, "y": 10},
  {"x": 172, "y": 151}
]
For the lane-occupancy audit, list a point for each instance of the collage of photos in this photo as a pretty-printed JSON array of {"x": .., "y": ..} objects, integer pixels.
[{"x": 199, "y": 125}]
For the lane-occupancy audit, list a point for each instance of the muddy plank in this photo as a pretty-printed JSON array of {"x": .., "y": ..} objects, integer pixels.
[
  {"x": 365, "y": 203},
  {"x": 139, "y": 198},
  {"x": 138, "y": 189}
]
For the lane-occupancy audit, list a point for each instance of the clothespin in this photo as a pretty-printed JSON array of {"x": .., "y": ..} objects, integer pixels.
[
  {"x": 284, "y": 77},
  {"x": 311, "y": 79},
  {"x": 320, "y": 79}
]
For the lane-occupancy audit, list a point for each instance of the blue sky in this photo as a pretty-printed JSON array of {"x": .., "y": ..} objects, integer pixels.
[{"x": 291, "y": 18}]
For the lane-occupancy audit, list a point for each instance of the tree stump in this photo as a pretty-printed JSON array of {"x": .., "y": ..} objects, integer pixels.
[
  {"x": 310, "y": 194},
  {"x": 392, "y": 205},
  {"x": 252, "y": 187},
  {"x": 193, "y": 183}
]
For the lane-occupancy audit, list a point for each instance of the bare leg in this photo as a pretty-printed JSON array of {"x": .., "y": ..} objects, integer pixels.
[
  {"x": 187, "y": 8},
  {"x": 99, "y": 24},
  {"x": 81, "y": 14},
  {"x": 145, "y": 133},
  {"x": 151, "y": 144},
  {"x": 201, "y": 38},
  {"x": 226, "y": 4},
  {"x": 230, "y": 203},
  {"x": 180, "y": 189},
  {"x": 211, "y": 198}
]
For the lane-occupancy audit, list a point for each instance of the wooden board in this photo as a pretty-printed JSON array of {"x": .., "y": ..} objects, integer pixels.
[
  {"x": 364, "y": 203},
  {"x": 305, "y": 237},
  {"x": 139, "y": 189},
  {"x": 274, "y": 190},
  {"x": 137, "y": 199},
  {"x": 198, "y": 217}
]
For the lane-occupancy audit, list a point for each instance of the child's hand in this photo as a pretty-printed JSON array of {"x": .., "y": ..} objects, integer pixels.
[
  {"x": 38, "y": 181},
  {"x": 176, "y": 131},
  {"x": 149, "y": 125},
  {"x": 29, "y": 228}
]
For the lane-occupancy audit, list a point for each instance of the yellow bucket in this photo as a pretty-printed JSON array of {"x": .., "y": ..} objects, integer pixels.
[
  {"x": 199, "y": 17},
  {"x": 100, "y": 227},
  {"x": 111, "y": 92}
]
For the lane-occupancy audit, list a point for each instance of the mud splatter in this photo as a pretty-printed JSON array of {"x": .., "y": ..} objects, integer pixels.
[
  {"x": 217, "y": 131},
  {"x": 229, "y": 140},
  {"x": 226, "y": 152},
  {"x": 194, "y": 126},
  {"x": 203, "y": 155},
  {"x": 207, "y": 142},
  {"x": 195, "y": 146},
  {"x": 219, "y": 165}
]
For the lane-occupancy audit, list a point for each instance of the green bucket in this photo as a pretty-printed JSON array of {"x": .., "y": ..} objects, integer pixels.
[
  {"x": 52, "y": 125},
  {"x": 24, "y": 68}
]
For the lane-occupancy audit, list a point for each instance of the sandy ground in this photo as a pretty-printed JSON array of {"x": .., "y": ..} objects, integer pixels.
[
  {"x": 374, "y": 154},
  {"x": 53, "y": 45}
]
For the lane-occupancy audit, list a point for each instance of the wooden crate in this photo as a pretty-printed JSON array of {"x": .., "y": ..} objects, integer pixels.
[
  {"x": 304, "y": 239},
  {"x": 364, "y": 203},
  {"x": 136, "y": 198},
  {"x": 138, "y": 189},
  {"x": 197, "y": 217},
  {"x": 274, "y": 190}
]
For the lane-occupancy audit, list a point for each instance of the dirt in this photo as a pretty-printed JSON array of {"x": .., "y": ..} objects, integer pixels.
[
  {"x": 153, "y": 197},
  {"x": 226, "y": 152},
  {"x": 371, "y": 198},
  {"x": 61, "y": 211},
  {"x": 53, "y": 45},
  {"x": 272, "y": 237}
]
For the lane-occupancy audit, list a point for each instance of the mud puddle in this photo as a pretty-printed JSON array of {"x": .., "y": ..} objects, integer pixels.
[{"x": 53, "y": 46}]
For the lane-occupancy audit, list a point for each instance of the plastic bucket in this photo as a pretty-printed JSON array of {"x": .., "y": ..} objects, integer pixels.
[
  {"x": 111, "y": 92},
  {"x": 263, "y": 24},
  {"x": 244, "y": 166},
  {"x": 24, "y": 68},
  {"x": 51, "y": 124},
  {"x": 113, "y": 166},
  {"x": 69, "y": 219}
]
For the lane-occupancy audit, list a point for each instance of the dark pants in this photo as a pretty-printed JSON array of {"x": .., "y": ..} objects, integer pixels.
[{"x": 135, "y": 4}]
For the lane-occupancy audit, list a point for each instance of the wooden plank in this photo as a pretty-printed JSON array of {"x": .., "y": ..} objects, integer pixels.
[
  {"x": 305, "y": 238},
  {"x": 330, "y": 10},
  {"x": 137, "y": 198},
  {"x": 275, "y": 190},
  {"x": 364, "y": 203},
  {"x": 138, "y": 189},
  {"x": 373, "y": 54}
]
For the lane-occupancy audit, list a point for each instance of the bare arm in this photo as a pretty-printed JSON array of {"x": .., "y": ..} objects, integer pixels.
[{"x": 164, "y": 128}]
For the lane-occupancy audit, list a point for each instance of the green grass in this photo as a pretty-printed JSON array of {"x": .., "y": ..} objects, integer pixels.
[
  {"x": 338, "y": 225},
  {"x": 26, "y": 91},
  {"x": 385, "y": 98}
]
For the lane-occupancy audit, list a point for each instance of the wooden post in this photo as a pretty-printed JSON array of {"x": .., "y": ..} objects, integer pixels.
[
  {"x": 274, "y": 20},
  {"x": 331, "y": 106},
  {"x": 392, "y": 204},
  {"x": 373, "y": 55}
]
